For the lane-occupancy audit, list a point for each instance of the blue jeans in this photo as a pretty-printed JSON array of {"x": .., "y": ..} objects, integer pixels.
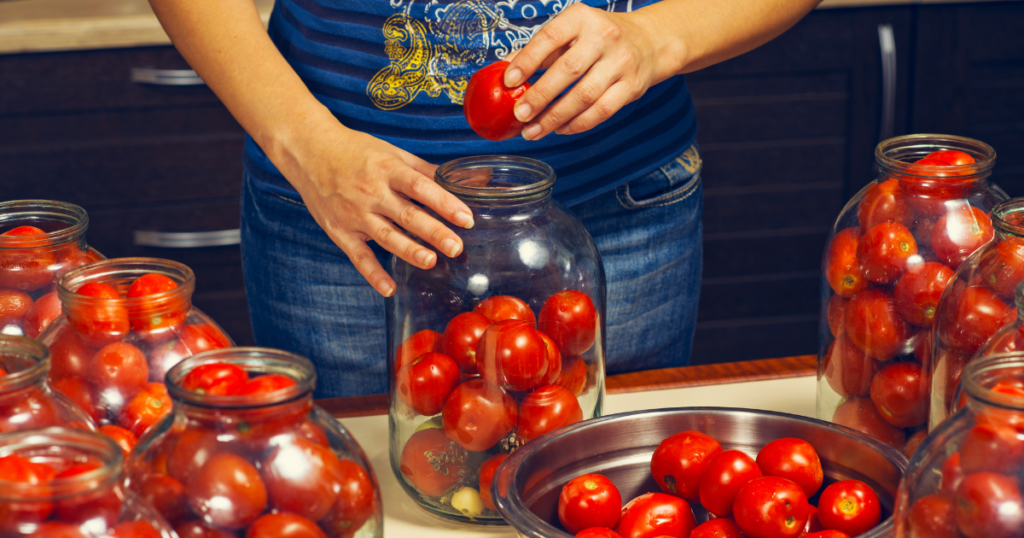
[{"x": 305, "y": 296}]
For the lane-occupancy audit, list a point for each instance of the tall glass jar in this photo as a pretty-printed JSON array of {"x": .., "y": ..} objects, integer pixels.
[
  {"x": 27, "y": 401},
  {"x": 69, "y": 483},
  {"x": 965, "y": 480},
  {"x": 255, "y": 464},
  {"x": 40, "y": 240},
  {"x": 497, "y": 346},
  {"x": 889, "y": 257},
  {"x": 125, "y": 322}
]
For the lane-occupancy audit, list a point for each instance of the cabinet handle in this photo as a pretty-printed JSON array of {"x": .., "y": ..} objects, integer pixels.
[
  {"x": 887, "y": 44},
  {"x": 187, "y": 239},
  {"x": 166, "y": 77}
]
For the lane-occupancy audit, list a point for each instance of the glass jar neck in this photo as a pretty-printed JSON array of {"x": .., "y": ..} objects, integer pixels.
[
  {"x": 896, "y": 158},
  {"x": 255, "y": 361},
  {"x": 62, "y": 223},
  {"x": 119, "y": 273},
  {"x": 60, "y": 448},
  {"x": 982, "y": 377},
  {"x": 26, "y": 361},
  {"x": 497, "y": 180}
]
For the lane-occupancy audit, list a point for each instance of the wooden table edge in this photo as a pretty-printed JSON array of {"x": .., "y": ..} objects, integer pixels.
[{"x": 647, "y": 380}]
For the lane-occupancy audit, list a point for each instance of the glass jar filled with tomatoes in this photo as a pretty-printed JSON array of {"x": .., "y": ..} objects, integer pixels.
[
  {"x": 26, "y": 399},
  {"x": 890, "y": 256},
  {"x": 40, "y": 240},
  {"x": 125, "y": 322},
  {"x": 69, "y": 483},
  {"x": 497, "y": 346},
  {"x": 965, "y": 479},
  {"x": 247, "y": 452}
]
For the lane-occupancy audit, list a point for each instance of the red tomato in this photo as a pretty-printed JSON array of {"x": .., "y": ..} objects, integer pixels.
[
  {"x": 419, "y": 343},
  {"x": 598, "y": 532},
  {"x": 793, "y": 459},
  {"x": 679, "y": 461},
  {"x": 119, "y": 367},
  {"x": 988, "y": 505},
  {"x": 923, "y": 348},
  {"x": 589, "y": 500},
  {"x": 266, "y": 384},
  {"x": 952, "y": 473},
  {"x": 836, "y": 315},
  {"x": 165, "y": 494},
  {"x": 477, "y": 415},
  {"x": 885, "y": 250},
  {"x": 959, "y": 233},
  {"x": 861, "y": 415},
  {"x": 843, "y": 270},
  {"x": 426, "y": 382},
  {"x": 951, "y": 156},
  {"x": 28, "y": 409},
  {"x": 194, "y": 339},
  {"x": 512, "y": 355},
  {"x": 13, "y": 306},
  {"x": 302, "y": 477},
  {"x": 194, "y": 447},
  {"x": 573, "y": 375},
  {"x": 431, "y": 462},
  {"x": 69, "y": 355},
  {"x": 722, "y": 479},
  {"x": 554, "y": 367},
  {"x": 155, "y": 314},
  {"x": 1002, "y": 266},
  {"x": 771, "y": 507},
  {"x": 850, "y": 506},
  {"x": 103, "y": 505},
  {"x": 975, "y": 315},
  {"x": 883, "y": 202},
  {"x": 989, "y": 447},
  {"x": 99, "y": 314},
  {"x": 914, "y": 442},
  {"x": 487, "y": 470},
  {"x": 199, "y": 529},
  {"x": 847, "y": 369},
  {"x": 900, "y": 392},
  {"x": 718, "y": 528},
  {"x": 873, "y": 325},
  {"x": 656, "y": 514},
  {"x": 504, "y": 307},
  {"x": 933, "y": 188},
  {"x": 813, "y": 525},
  {"x": 284, "y": 525},
  {"x": 122, "y": 436},
  {"x": 932, "y": 516},
  {"x": 357, "y": 501},
  {"x": 23, "y": 267},
  {"x": 135, "y": 529},
  {"x": 146, "y": 408},
  {"x": 461, "y": 336},
  {"x": 42, "y": 312},
  {"x": 58, "y": 529},
  {"x": 217, "y": 378},
  {"x": 488, "y": 103},
  {"x": 570, "y": 319},
  {"x": 227, "y": 491},
  {"x": 16, "y": 468},
  {"x": 81, "y": 392},
  {"x": 918, "y": 291},
  {"x": 546, "y": 409},
  {"x": 827, "y": 533}
]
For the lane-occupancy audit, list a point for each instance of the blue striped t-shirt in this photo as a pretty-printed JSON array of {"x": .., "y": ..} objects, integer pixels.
[{"x": 397, "y": 69}]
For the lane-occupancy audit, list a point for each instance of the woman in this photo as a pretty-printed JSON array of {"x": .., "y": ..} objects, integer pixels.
[{"x": 350, "y": 105}]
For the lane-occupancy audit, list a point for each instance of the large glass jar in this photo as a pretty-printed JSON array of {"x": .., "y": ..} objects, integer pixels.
[
  {"x": 69, "y": 483},
  {"x": 255, "y": 464},
  {"x": 965, "y": 479},
  {"x": 125, "y": 323},
  {"x": 497, "y": 346},
  {"x": 27, "y": 401},
  {"x": 889, "y": 257},
  {"x": 40, "y": 240}
]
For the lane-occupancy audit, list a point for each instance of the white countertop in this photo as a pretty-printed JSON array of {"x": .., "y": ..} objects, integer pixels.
[{"x": 403, "y": 518}]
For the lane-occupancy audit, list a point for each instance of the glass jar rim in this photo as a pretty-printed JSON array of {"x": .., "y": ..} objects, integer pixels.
[
  {"x": 1008, "y": 216},
  {"x": 26, "y": 211},
  {"x": 454, "y": 175},
  {"x": 981, "y": 370},
  {"x": 26, "y": 348},
  {"x": 262, "y": 360},
  {"x": 887, "y": 154},
  {"x": 118, "y": 269},
  {"x": 49, "y": 440}
]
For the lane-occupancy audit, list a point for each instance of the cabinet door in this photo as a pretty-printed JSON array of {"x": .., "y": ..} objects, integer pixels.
[{"x": 787, "y": 134}]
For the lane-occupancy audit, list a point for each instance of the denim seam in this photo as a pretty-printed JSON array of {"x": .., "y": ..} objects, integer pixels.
[
  {"x": 671, "y": 199},
  {"x": 287, "y": 199}
]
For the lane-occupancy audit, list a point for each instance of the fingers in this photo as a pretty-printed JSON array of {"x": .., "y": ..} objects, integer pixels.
[
  {"x": 553, "y": 36},
  {"x": 366, "y": 263}
]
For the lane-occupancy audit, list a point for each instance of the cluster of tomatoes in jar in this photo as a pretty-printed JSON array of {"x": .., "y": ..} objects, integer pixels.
[
  {"x": 498, "y": 377},
  {"x": 766, "y": 497},
  {"x": 886, "y": 274},
  {"x": 264, "y": 471}
]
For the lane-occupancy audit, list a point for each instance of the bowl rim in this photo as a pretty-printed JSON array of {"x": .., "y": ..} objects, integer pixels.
[{"x": 532, "y": 526}]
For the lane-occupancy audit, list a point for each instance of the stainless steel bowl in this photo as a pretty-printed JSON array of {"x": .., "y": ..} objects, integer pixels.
[{"x": 620, "y": 447}]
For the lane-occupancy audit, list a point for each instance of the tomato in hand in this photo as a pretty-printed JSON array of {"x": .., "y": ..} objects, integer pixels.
[
  {"x": 883, "y": 202},
  {"x": 860, "y": 414},
  {"x": 901, "y": 392},
  {"x": 431, "y": 462},
  {"x": 488, "y": 104},
  {"x": 718, "y": 528},
  {"x": 988, "y": 505},
  {"x": 23, "y": 264},
  {"x": 302, "y": 477},
  {"x": 722, "y": 479},
  {"x": 959, "y": 233},
  {"x": 477, "y": 415},
  {"x": 570, "y": 319},
  {"x": 679, "y": 461},
  {"x": 546, "y": 409},
  {"x": 656, "y": 514},
  {"x": 119, "y": 367},
  {"x": 512, "y": 355},
  {"x": 932, "y": 516},
  {"x": 487, "y": 470},
  {"x": 146, "y": 408},
  {"x": 266, "y": 384},
  {"x": 794, "y": 459},
  {"x": 885, "y": 250},
  {"x": 873, "y": 325},
  {"x": 227, "y": 491},
  {"x": 771, "y": 507},
  {"x": 215, "y": 378},
  {"x": 918, "y": 291},
  {"x": 461, "y": 336},
  {"x": 504, "y": 307},
  {"x": 155, "y": 314},
  {"x": 357, "y": 500},
  {"x": 99, "y": 314},
  {"x": 416, "y": 345},
  {"x": 850, "y": 506},
  {"x": 426, "y": 382},
  {"x": 284, "y": 525},
  {"x": 847, "y": 369},
  {"x": 589, "y": 500},
  {"x": 13, "y": 306},
  {"x": 843, "y": 270},
  {"x": 42, "y": 312}
]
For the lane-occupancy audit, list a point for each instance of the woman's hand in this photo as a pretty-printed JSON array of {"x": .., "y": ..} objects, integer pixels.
[
  {"x": 360, "y": 188},
  {"x": 613, "y": 58}
]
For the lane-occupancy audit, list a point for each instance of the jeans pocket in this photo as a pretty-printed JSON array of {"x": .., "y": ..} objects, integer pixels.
[{"x": 671, "y": 183}]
